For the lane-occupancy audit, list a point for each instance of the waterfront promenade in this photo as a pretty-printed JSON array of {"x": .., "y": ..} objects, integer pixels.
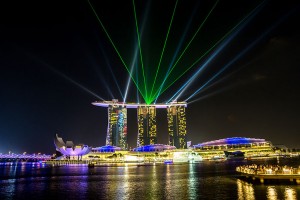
[
  {"x": 269, "y": 173},
  {"x": 80, "y": 162}
]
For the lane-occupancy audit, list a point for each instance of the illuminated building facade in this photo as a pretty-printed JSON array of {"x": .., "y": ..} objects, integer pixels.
[
  {"x": 251, "y": 147},
  {"x": 69, "y": 149},
  {"x": 154, "y": 148},
  {"x": 146, "y": 125},
  {"x": 177, "y": 126},
  {"x": 117, "y": 126},
  {"x": 234, "y": 143},
  {"x": 106, "y": 149},
  {"x": 146, "y": 117}
]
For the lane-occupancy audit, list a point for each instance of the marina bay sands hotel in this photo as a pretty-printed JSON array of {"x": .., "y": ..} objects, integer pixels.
[{"x": 146, "y": 118}]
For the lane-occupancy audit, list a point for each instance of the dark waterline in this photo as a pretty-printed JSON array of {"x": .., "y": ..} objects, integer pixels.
[{"x": 205, "y": 180}]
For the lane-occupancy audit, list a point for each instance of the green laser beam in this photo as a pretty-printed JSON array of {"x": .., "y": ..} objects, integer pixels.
[
  {"x": 114, "y": 46},
  {"x": 220, "y": 40},
  {"x": 162, "y": 53},
  {"x": 140, "y": 50},
  {"x": 189, "y": 43}
]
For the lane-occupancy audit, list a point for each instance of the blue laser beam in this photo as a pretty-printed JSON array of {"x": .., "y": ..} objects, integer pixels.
[
  {"x": 131, "y": 71},
  {"x": 194, "y": 36},
  {"x": 221, "y": 79},
  {"x": 134, "y": 59},
  {"x": 102, "y": 80},
  {"x": 70, "y": 80},
  {"x": 112, "y": 73},
  {"x": 137, "y": 80},
  {"x": 223, "y": 89},
  {"x": 224, "y": 78},
  {"x": 95, "y": 66},
  {"x": 241, "y": 54},
  {"x": 177, "y": 51},
  {"x": 215, "y": 54},
  {"x": 163, "y": 49},
  {"x": 50, "y": 67},
  {"x": 213, "y": 93}
]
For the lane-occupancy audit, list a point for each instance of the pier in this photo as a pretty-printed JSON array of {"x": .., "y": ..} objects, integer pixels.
[{"x": 269, "y": 173}]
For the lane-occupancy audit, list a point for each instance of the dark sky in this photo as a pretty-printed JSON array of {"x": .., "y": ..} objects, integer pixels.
[{"x": 56, "y": 59}]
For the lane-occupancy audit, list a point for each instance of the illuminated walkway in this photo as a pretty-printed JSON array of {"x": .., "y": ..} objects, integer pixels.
[{"x": 269, "y": 173}]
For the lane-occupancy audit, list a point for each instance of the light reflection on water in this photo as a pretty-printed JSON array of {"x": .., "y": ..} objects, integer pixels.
[
  {"x": 192, "y": 182},
  {"x": 154, "y": 179},
  {"x": 125, "y": 186},
  {"x": 183, "y": 181},
  {"x": 290, "y": 193},
  {"x": 272, "y": 193},
  {"x": 168, "y": 186},
  {"x": 245, "y": 190}
]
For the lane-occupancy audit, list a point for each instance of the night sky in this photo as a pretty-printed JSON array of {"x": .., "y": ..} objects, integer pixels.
[{"x": 56, "y": 60}]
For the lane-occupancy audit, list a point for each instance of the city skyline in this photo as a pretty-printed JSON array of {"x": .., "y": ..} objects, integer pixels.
[{"x": 57, "y": 59}]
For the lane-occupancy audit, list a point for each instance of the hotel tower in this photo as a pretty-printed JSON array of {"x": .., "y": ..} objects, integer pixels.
[
  {"x": 177, "y": 126},
  {"x": 117, "y": 125},
  {"x": 146, "y": 119},
  {"x": 146, "y": 125}
]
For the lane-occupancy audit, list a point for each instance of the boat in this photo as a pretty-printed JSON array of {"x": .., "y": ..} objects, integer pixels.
[
  {"x": 218, "y": 158},
  {"x": 168, "y": 162},
  {"x": 236, "y": 155}
]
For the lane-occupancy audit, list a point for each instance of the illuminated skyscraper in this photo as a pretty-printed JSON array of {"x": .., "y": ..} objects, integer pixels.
[
  {"x": 146, "y": 125},
  {"x": 177, "y": 126},
  {"x": 117, "y": 125},
  {"x": 146, "y": 117}
]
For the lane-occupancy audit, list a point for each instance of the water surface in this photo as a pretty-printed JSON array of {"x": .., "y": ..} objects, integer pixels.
[{"x": 205, "y": 180}]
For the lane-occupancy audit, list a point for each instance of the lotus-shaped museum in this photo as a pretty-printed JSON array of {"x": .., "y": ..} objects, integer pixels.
[{"x": 69, "y": 149}]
